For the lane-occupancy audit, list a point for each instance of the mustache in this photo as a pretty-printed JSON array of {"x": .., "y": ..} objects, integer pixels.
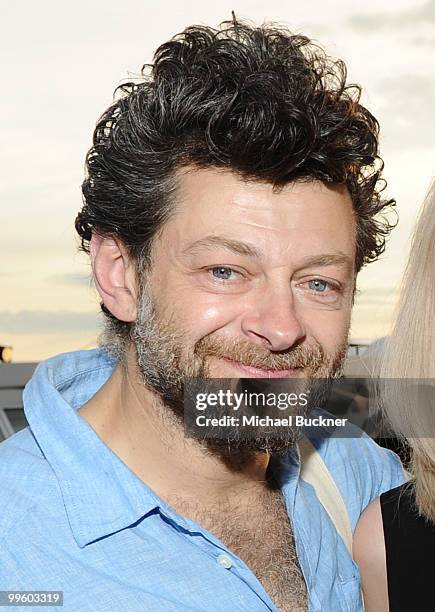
[{"x": 248, "y": 354}]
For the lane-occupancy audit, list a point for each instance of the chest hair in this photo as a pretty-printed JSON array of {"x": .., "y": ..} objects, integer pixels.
[{"x": 257, "y": 530}]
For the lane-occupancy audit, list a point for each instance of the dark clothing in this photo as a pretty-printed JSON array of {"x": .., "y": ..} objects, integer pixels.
[{"x": 410, "y": 550}]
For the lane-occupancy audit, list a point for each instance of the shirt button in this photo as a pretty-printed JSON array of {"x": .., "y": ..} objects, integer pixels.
[{"x": 224, "y": 561}]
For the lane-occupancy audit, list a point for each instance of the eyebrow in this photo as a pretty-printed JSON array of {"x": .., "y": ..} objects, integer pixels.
[
  {"x": 245, "y": 248},
  {"x": 327, "y": 259},
  {"x": 235, "y": 246}
]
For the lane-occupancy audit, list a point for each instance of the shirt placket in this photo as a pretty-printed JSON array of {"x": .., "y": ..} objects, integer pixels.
[
  {"x": 287, "y": 474},
  {"x": 224, "y": 558}
]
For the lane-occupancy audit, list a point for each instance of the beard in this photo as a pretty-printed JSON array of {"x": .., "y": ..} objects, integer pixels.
[{"x": 166, "y": 364}]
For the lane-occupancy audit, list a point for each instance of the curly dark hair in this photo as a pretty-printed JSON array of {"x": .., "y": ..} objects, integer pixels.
[{"x": 263, "y": 102}]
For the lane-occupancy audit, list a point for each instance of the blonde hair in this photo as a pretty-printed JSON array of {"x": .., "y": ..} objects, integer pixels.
[{"x": 410, "y": 353}]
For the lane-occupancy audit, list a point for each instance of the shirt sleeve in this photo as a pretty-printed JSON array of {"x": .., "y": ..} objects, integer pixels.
[{"x": 362, "y": 470}]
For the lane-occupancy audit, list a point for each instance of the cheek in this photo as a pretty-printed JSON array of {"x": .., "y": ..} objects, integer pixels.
[
  {"x": 193, "y": 310},
  {"x": 202, "y": 314},
  {"x": 329, "y": 328}
]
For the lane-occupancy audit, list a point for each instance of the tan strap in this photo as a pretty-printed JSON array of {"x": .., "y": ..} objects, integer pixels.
[{"x": 315, "y": 472}]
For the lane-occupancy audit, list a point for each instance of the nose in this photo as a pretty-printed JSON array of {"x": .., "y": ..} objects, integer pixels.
[{"x": 273, "y": 321}]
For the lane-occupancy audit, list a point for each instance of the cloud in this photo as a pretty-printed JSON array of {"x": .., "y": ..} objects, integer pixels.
[
  {"x": 409, "y": 18},
  {"x": 43, "y": 321},
  {"x": 75, "y": 280},
  {"x": 423, "y": 41},
  {"x": 409, "y": 103},
  {"x": 376, "y": 297}
]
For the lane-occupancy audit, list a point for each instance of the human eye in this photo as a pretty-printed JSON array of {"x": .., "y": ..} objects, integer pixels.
[
  {"x": 223, "y": 274},
  {"x": 319, "y": 285},
  {"x": 321, "y": 289}
]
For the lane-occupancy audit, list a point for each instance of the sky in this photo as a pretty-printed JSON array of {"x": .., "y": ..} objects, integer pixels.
[{"x": 61, "y": 63}]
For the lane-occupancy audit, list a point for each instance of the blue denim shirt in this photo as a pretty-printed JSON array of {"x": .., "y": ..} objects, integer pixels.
[{"x": 75, "y": 518}]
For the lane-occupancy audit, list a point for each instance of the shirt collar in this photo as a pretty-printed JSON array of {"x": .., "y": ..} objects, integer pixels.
[{"x": 100, "y": 493}]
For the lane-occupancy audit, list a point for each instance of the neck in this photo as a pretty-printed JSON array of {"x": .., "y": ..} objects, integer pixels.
[{"x": 131, "y": 420}]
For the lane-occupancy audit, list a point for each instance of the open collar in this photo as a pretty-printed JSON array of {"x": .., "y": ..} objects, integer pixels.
[{"x": 100, "y": 493}]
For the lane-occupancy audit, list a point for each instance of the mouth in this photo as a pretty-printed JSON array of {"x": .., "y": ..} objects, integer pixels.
[{"x": 255, "y": 372}]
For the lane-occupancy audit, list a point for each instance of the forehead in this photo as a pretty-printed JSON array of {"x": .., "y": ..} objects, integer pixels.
[{"x": 307, "y": 216}]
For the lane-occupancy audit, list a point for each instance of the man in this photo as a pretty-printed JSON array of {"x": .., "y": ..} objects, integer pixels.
[{"x": 231, "y": 198}]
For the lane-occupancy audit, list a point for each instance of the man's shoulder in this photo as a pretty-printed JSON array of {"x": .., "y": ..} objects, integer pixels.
[
  {"x": 361, "y": 469},
  {"x": 26, "y": 480},
  {"x": 356, "y": 446}
]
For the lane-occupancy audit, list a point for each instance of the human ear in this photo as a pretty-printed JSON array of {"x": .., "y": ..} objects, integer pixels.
[{"x": 114, "y": 276}]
